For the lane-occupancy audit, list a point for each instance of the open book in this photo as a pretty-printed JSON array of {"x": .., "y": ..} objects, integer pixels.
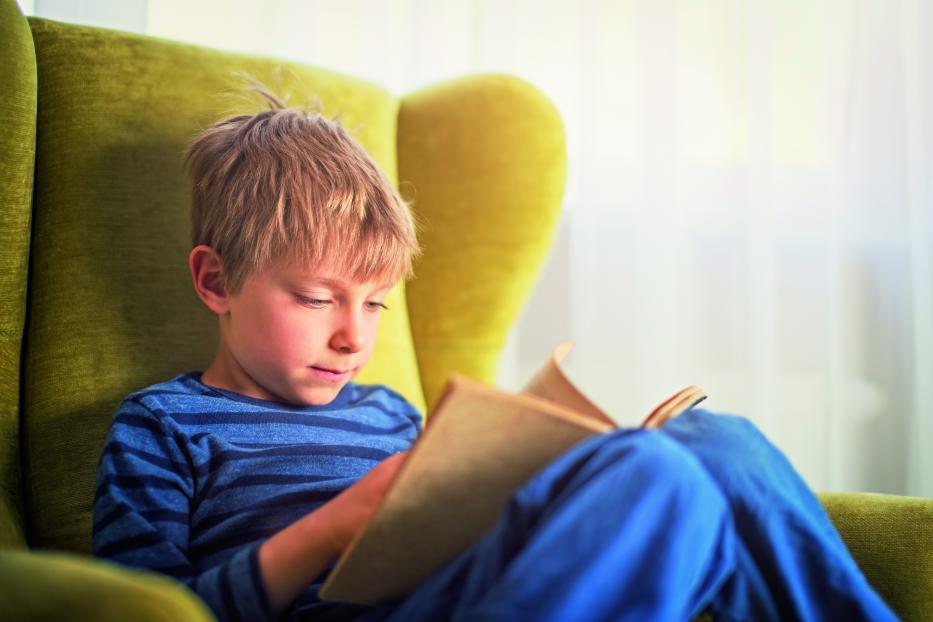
[{"x": 479, "y": 446}]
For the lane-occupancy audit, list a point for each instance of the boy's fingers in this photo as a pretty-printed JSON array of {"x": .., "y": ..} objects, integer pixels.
[
  {"x": 387, "y": 468},
  {"x": 393, "y": 462},
  {"x": 395, "y": 458}
]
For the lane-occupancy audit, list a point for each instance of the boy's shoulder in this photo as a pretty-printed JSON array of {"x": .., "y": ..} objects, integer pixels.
[
  {"x": 153, "y": 405},
  {"x": 182, "y": 388}
]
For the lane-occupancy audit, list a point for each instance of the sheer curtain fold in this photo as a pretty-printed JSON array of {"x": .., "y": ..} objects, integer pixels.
[{"x": 749, "y": 207}]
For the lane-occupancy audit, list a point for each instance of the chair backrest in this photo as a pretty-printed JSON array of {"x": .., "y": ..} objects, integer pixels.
[
  {"x": 111, "y": 304},
  {"x": 110, "y": 307}
]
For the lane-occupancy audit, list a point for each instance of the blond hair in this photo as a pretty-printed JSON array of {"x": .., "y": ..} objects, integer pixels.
[{"x": 286, "y": 183}]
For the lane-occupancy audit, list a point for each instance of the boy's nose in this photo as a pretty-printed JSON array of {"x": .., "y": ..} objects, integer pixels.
[{"x": 350, "y": 337}]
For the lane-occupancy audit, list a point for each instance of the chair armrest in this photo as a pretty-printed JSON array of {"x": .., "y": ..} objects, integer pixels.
[
  {"x": 46, "y": 585},
  {"x": 891, "y": 538}
]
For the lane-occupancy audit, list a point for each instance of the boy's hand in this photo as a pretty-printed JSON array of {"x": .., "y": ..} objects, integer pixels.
[
  {"x": 349, "y": 511},
  {"x": 290, "y": 559}
]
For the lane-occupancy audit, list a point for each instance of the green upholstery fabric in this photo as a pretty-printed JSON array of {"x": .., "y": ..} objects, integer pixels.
[
  {"x": 891, "y": 537},
  {"x": 112, "y": 307},
  {"x": 484, "y": 161},
  {"x": 45, "y": 585},
  {"x": 18, "y": 149}
]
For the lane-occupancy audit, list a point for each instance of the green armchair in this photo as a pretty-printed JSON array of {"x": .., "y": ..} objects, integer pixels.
[{"x": 95, "y": 298}]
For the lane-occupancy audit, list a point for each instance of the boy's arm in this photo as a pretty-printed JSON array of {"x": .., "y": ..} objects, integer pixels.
[
  {"x": 293, "y": 557},
  {"x": 142, "y": 514}
]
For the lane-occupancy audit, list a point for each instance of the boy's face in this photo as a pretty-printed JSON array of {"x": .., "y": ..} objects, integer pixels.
[{"x": 297, "y": 335}]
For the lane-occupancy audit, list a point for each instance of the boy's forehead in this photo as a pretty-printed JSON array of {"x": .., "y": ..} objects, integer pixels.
[{"x": 330, "y": 277}]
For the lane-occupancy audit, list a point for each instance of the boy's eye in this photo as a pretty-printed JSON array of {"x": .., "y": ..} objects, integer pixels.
[
  {"x": 317, "y": 303},
  {"x": 375, "y": 306}
]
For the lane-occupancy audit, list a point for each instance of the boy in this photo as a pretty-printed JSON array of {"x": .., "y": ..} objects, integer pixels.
[{"x": 248, "y": 480}]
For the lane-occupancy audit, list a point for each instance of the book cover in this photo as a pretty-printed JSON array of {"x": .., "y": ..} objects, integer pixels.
[{"x": 479, "y": 446}]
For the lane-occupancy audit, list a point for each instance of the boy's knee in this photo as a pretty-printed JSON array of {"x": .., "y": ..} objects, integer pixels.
[
  {"x": 652, "y": 457},
  {"x": 704, "y": 431},
  {"x": 734, "y": 452},
  {"x": 611, "y": 476},
  {"x": 628, "y": 455},
  {"x": 646, "y": 446}
]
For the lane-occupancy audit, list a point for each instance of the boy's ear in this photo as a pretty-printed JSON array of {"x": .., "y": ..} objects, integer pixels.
[{"x": 208, "y": 278}]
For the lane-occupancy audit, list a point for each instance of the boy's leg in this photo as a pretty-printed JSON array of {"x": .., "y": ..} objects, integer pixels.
[
  {"x": 624, "y": 526},
  {"x": 790, "y": 561}
]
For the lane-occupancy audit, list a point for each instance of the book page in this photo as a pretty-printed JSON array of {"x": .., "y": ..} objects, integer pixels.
[
  {"x": 480, "y": 445},
  {"x": 685, "y": 399},
  {"x": 551, "y": 383}
]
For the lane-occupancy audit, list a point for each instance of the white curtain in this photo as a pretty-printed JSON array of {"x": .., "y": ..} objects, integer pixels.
[{"x": 750, "y": 205}]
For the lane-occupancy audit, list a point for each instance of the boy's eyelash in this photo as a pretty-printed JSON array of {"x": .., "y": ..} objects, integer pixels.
[
  {"x": 320, "y": 302},
  {"x": 313, "y": 301}
]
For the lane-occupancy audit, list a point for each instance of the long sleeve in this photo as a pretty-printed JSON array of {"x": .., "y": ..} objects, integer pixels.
[{"x": 143, "y": 503}]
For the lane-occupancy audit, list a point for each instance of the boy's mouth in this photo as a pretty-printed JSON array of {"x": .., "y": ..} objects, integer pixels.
[{"x": 330, "y": 374}]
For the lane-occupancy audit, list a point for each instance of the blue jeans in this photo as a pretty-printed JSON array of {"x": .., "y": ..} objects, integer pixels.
[{"x": 703, "y": 515}]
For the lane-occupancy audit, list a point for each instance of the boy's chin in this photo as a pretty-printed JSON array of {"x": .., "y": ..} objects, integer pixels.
[{"x": 317, "y": 396}]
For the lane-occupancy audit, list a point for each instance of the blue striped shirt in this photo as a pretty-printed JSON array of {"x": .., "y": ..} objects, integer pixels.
[{"x": 192, "y": 479}]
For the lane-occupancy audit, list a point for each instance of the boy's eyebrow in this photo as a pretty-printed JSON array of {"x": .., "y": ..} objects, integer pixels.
[
  {"x": 339, "y": 284},
  {"x": 326, "y": 281}
]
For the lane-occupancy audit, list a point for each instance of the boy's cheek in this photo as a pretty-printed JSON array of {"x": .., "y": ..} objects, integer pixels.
[
  {"x": 275, "y": 345},
  {"x": 361, "y": 363},
  {"x": 364, "y": 360},
  {"x": 287, "y": 332}
]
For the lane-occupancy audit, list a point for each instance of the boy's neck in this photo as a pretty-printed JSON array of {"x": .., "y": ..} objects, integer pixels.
[{"x": 226, "y": 374}]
